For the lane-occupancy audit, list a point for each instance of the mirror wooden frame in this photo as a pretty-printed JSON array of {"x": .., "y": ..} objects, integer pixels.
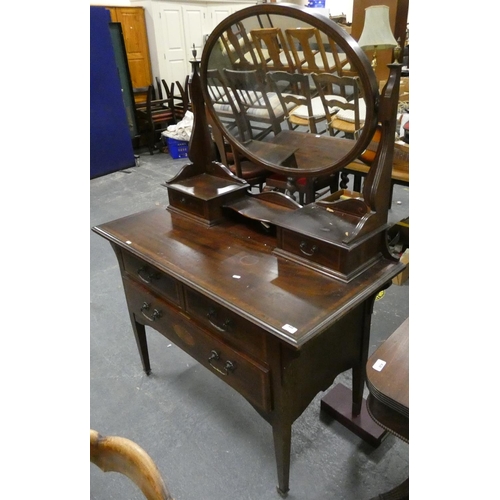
[{"x": 353, "y": 52}]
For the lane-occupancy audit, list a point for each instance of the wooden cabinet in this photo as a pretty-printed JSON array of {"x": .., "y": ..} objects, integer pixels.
[{"x": 135, "y": 36}]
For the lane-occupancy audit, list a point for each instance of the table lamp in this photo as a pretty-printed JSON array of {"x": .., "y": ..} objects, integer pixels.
[{"x": 377, "y": 34}]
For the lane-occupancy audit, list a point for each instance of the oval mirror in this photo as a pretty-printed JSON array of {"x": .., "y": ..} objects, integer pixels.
[{"x": 291, "y": 90}]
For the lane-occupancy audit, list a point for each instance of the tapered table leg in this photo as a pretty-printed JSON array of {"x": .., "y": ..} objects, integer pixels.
[
  {"x": 282, "y": 435},
  {"x": 142, "y": 344}
]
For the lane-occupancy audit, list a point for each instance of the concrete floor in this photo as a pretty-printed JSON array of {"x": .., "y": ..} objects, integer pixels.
[{"x": 206, "y": 440}]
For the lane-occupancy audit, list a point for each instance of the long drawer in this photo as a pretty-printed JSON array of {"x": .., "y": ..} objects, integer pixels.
[{"x": 245, "y": 375}]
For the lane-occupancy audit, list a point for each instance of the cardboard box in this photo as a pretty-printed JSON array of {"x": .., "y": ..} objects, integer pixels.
[{"x": 403, "y": 276}]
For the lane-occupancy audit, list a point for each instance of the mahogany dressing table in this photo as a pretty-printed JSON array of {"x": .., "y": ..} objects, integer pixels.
[{"x": 273, "y": 298}]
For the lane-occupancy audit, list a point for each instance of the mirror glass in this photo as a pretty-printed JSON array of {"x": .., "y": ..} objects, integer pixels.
[{"x": 291, "y": 90}]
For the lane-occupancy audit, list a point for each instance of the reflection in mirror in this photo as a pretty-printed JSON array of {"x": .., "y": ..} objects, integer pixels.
[{"x": 272, "y": 74}]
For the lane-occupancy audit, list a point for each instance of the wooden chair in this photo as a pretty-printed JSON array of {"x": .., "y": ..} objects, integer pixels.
[
  {"x": 359, "y": 169},
  {"x": 241, "y": 100},
  {"x": 176, "y": 100},
  {"x": 294, "y": 93},
  {"x": 263, "y": 111},
  {"x": 341, "y": 115},
  {"x": 342, "y": 65},
  {"x": 118, "y": 454},
  {"x": 155, "y": 116},
  {"x": 239, "y": 166},
  {"x": 238, "y": 47},
  {"x": 184, "y": 94},
  {"x": 308, "y": 50},
  {"x": 158, "y": 92},
  {"x": 221, "y": 99},
  {"x": 272, "y": 49},
  {"x": 303, "y": 187}
]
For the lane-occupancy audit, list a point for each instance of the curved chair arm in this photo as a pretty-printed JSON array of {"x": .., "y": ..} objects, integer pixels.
[{"x": 118, "y": 454}]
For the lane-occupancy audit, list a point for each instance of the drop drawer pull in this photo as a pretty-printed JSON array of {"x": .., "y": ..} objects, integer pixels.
[
  {"x": 309, "y": 253},
  {"x": 156, "y": 313},
  {"x": 222, "y": 328},
  {"x": 228, "y": 365},
  {"x": 147, "y": 276}
]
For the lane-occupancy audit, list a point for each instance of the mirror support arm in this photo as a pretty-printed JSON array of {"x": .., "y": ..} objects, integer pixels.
[
  {"x": 377, "y": 187},
  {"x": 201, "y": 146}
]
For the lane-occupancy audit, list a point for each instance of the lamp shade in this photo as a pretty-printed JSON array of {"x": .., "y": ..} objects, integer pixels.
[{"x": 377, "y": 30}]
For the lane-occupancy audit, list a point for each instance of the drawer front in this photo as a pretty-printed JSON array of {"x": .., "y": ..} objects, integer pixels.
[
  {"x": 150, "y": 276},
  {"x": 185, "y": 202},
  {"x": 243, "y": 374},
  {"x": 309, "y": 248},
  {"x": 227, "y": 325}
]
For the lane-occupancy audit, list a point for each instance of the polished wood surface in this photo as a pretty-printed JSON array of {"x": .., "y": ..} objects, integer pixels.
[
  {"x": 388, "y": 380},
  {"x": 389, "y": 401},
  {"x": 275, "y": 301},
  {"x": 271, "y": 293},
  {"x": 312, "y": 152},
  {"x": 275, "y": 331},
  {"x": 122, "y": 455}
]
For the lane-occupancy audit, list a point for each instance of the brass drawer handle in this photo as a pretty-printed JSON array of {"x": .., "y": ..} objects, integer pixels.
[
  {"x": 309, "y": 253},
  {"x": 156, "y": 312},
  {"x": 211, "y": 314},
  {"x": 147, "y": 276},
  {"x": 228, "y": 365}
]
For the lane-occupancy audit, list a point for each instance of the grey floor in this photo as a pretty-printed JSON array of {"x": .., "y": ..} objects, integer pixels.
[{"x": 206, "y": 440}]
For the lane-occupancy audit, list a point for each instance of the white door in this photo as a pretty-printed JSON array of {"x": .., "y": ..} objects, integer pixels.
[
  {"x": 196, "y": 25},
  {"x": 181, "y": 26},
  {"x": 175, "y": 66},
  {"x": 218, "y": 14}
]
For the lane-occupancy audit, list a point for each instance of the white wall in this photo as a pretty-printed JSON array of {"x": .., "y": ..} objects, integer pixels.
[
  {"x": 335, "y": 7},
  {"x": 111, "y": 3}
]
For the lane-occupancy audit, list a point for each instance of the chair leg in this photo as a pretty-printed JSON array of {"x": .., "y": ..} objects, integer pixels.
[
  {"x": 151, "y": 140},
  {"x": 357, "y": 183},
  {"x": 334, "y": 185},
  {"x": 344, "y": 180}
]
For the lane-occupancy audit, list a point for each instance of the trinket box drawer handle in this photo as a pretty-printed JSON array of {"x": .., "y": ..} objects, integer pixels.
[{"x": 303, "y": 249}]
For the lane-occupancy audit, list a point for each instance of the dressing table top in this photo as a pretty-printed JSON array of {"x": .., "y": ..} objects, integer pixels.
[{"x": 235, "y": 265}]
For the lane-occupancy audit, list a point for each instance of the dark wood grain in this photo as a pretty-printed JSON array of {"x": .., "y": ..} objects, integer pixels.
[
  {"x": 251, "y": 306},
  {"x": 389, "y": 387},
  {"x": 271, "y": 292},
  {"x": 222, "y": 295},
  {"x": 389, "y": 400}
]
